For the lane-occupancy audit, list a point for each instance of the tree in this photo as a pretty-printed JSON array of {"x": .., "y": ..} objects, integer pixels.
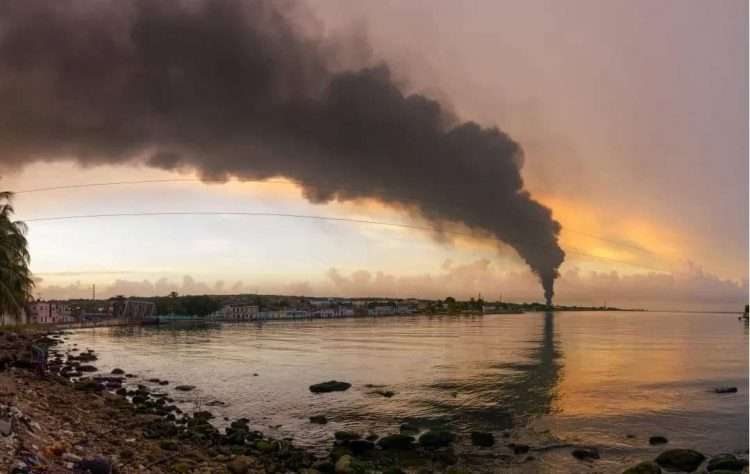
[
  {"x": 200, "y": 305},
  {"x": 16, "y": 283}
]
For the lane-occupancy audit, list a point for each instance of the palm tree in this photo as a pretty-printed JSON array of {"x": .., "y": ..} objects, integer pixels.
[{"x": 16, "y": 282}]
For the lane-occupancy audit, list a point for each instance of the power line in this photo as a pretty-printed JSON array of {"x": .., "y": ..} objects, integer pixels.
[
  {"x": 271, "y": 181},
  {"x": 572, "y": 250}
]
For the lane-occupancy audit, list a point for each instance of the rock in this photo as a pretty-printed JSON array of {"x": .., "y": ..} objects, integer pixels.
[
  {"x": 87, "y": 368},
  {"x": 654, "y": 440},
  {"x": 726, "y": 462},
  {"x": 239, "y": 465},
  {"x": 519, "y": 448},
  {"x": 184, "y": 388},
  {"x": 447, "y": 457},
  {"x": 330, "y": 386},
  {"x": 343, "y": 465},
  {"x": 319, "y": 419},
  {"x": 264, "y": 446},
  {"x": 169, "y": 445},
  {"x": 117, "y": 372},
  {"x": 585, "y": 454},
  {"x": 396, "y": 441},
  {"x": 163, "y": 382},
  {"x": 346, "y": 435},
  {"x": 181, "y": 467},
  {"x": 94, "y": 466},
  {"x": 70, "y": 457},
  {"x": 324, "y": 466},
  {"x": 436, "y": 439},
  {"x": 385, "y": 393},
  {"x": 215, "y": 403},
  {"x": 359, "y": 446},
  {"x": 482, "y": 439},
  {"x": 646, "y": 467},
  {"x": 408, "y": 428},
  {"x": 686, "y": 460},
  {"x": 725, "y": 390}
]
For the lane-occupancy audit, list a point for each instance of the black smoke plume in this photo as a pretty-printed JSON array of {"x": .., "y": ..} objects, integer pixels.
[{"x": 233, "y": 89}]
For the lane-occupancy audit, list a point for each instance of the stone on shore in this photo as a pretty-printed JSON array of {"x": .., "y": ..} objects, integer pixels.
[
  {"x": 726, "y": 462},
  {"x": 725, "y": 390},
  {"x": 319, "y": 419},
  {"x": 519, "y": 448},
  {"x": 117, "y": 371},
  {"x": 585, "y": 454},
  {"x": 240, "y": 465},
  {"x": 396, "y": 441},
  {"x": 654, "y": 440},
  {"x": 360, "y": 446},
  {"x": 330, "y": 386},
  {"x": 184, "y": 388},
  {"x": 436, "y": 439},
  {"x": 482, "y": 439},
  {"x": 646, "y": 467},
  {"x": 344, "y": 464},
  {"x": 686, "y": 460},
  {"x": 346, "y": 435}
]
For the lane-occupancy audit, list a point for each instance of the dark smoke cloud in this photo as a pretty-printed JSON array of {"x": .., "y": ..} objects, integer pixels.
[{"x": 232, "y": 89}]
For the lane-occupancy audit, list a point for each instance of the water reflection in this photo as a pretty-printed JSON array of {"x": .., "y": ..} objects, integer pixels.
[{"x": 507, "y": 392}]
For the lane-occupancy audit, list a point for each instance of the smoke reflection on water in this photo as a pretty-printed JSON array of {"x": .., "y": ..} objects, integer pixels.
[{"x": 591, "y": 378}]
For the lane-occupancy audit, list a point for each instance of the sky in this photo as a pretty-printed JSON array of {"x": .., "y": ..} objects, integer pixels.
[{"x": 633, "y": 121}]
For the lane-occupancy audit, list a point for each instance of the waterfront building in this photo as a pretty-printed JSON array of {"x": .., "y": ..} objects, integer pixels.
[
  {"x": 381, "y": 310},
  {"x": 236, "y": 312},
  {"x": 132, "y": 310},
  {"x": 49, "y": 312}
]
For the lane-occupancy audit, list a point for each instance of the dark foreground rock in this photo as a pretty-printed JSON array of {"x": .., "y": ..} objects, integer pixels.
[
  {"x": 185, "y": 388},
  {"x": 479, "y": 438},
  {"x": 686, "y": 460},
  {"x": 655, "y": 440},
  {"x": 318, "y": 419},
  {"x": 585, "y": 454},
  {"x": 646, "y": 467},
  {"x": 330, "y": 386},
  {"x": 396, "y": 441},
  {"x": 726, "y": 462},
  {"x": 436, "y": 439},
  {"x": 725, "y": 390}
]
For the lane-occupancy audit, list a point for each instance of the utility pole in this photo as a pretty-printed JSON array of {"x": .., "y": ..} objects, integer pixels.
[{"x": 93, "y": 292}]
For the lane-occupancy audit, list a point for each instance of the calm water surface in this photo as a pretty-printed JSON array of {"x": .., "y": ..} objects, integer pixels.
[{"x": 585, "y": 378}]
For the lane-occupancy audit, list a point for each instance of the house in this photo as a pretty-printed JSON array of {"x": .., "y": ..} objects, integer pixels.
[
  {"x": 381, "y": 310},
  {"x": 236, "y": 312},
  {"x": 49, "y": 312}
]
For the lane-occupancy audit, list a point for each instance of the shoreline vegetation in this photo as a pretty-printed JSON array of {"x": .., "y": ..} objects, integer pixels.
[{"x": 67, "y": 419}]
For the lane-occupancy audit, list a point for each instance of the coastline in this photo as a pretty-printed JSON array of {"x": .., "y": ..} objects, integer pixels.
[{"x": 71, "y": 416}]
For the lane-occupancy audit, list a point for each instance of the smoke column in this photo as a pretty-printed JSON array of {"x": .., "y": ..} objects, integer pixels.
[{"x": 234, "y": 89}]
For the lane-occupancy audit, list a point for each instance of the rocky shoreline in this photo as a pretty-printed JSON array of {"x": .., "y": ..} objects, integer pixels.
[{"x": 70, "y": 420}]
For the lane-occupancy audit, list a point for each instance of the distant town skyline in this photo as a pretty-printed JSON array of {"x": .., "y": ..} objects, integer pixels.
[{"x": 632, "y": 115}]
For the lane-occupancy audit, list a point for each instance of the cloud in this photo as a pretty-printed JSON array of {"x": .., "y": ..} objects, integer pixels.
[{"x": 690, "y": 288}]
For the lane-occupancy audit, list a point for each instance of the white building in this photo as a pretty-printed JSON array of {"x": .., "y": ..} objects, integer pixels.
[
  {"x": 237, "y": 312},
  {"x": 49, "y": 312}
]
